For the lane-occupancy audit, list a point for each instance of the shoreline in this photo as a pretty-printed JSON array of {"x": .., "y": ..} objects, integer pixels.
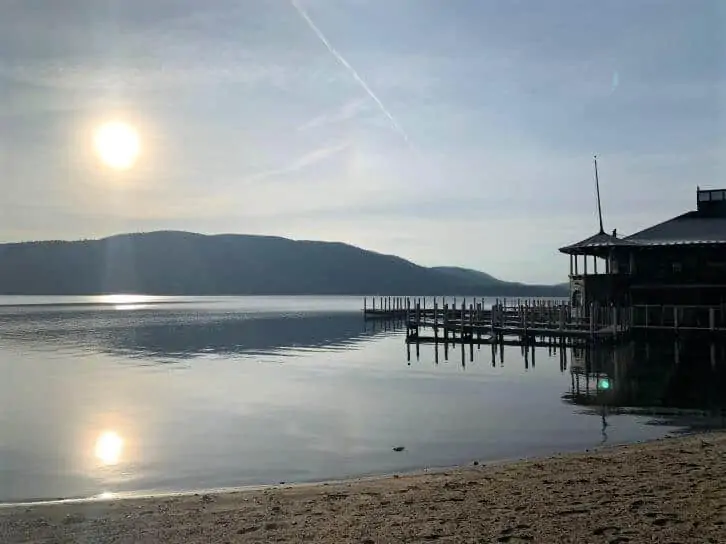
[
  {"x": 372, "y": 477},
  {"x": 672, "y": 488}
]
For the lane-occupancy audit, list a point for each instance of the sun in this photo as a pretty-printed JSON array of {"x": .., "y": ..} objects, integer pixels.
[{"x": 117, "y": 145}]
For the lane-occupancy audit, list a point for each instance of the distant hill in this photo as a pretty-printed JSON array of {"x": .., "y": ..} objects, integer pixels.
[
  {"x": 469, "y": 275},
  {"x": 183, "y": 263}
]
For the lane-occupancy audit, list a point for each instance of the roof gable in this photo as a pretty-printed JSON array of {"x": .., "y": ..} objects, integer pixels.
[
  {"x": 599, "y": 242},
  {"x": 689, "y": 228}
]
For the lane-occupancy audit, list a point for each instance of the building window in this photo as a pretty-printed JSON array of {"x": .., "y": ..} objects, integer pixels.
[
  {"x": 576, "y": 298},
  {"x": 704, "y": 196},
  {"x": 677, "y": 268},
  {"x": 717, "y": 195}
]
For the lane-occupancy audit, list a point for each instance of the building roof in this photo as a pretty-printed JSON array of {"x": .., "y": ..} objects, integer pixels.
[
  {"x": 704, "y": 226},
  {"x": 692, "y": 228},
  {"x": 600, "y": 243}
]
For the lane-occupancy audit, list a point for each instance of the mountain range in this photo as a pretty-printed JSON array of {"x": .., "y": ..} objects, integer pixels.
[{"x": 184, "y": 263}]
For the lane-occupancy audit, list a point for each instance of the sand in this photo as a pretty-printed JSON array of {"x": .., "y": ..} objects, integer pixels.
[{"x": 667, "y": 491}]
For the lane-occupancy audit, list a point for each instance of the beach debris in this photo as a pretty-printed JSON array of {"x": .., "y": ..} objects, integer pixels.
[
  {"x": 399, "y": 448},
  {"x": 207, "y": 498},
  {"x": 74, "y": 518}
]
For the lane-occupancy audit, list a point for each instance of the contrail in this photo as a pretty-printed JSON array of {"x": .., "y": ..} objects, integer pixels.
[{"x": 350, "y": 69}]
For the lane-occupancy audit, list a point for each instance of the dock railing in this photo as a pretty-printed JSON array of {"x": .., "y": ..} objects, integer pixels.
[{"x": 469, "y": 319}]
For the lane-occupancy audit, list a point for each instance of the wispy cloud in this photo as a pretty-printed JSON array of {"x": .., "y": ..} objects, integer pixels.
[
  {"x": 353, "y": 72},
  {"x": 92, "y": 76},
  {"x": 308, "y": 159},
  {"x": 347, "y": 111}
]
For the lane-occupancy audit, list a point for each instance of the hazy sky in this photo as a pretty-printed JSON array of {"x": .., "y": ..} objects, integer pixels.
[{"x": 456, "y": 132}]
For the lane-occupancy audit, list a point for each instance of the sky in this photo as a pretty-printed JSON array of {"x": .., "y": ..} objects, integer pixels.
[{"x": 448, "y": 132}]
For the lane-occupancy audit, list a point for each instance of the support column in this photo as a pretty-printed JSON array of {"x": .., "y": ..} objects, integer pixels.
[{"x": 571, "y": 266}]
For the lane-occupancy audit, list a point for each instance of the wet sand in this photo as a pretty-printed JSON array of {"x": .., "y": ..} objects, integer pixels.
[{"x": 667, "y": 491}]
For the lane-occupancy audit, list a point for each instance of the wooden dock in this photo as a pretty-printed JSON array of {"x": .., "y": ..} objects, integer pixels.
[{"x": 535, "y": 321}]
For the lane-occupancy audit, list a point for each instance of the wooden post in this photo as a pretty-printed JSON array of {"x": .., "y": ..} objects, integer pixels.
[
  {"x": 446, "y": 323},
  {"x": 675, "y": 317},
  {"x": 632, "y": 317},
  {"x": 436, "y": 323},
  {"x": 712, "y": 319},
  {"x": 646, "y": 316},
  {"x": 365, "y": 303},
  {"x": 471, "y": 321},
  {"x": 461, "y": 323}
]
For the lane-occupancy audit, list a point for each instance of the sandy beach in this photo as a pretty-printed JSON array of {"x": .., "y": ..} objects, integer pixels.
[{"x": 669, "y": 491}]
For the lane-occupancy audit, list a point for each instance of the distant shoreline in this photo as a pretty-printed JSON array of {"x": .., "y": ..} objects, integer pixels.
[
  {"x": 177, "y": 263},
  {"x": 668, "y": 488},
  {"x": 175, "y": 299}
]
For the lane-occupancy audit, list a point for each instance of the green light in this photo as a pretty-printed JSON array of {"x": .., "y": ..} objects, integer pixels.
[{"x": 603, "y": 383}]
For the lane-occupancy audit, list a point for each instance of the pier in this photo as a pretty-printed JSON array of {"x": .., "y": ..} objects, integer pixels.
[{"x": 536, "y": 321}]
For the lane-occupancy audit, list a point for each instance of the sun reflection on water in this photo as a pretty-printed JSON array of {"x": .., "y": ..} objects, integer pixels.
[
  {"x": 124, "y": 299},
  {"x": 109, "y": 448}
]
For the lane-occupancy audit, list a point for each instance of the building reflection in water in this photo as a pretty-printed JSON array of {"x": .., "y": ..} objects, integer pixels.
[
  {"x": 670, "y": 379},
  {"x": 680, "y": 382}
]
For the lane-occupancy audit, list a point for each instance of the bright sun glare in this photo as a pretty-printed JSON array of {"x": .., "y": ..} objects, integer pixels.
[
  {"x": 117, "y": 145},
  {"x": 109, "y": 447}
]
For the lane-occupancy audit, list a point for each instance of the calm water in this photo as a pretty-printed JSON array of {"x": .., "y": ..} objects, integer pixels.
[{"x": 126, "y": 394}]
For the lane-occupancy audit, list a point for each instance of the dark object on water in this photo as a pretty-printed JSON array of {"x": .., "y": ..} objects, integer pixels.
[{"x": 399, "y": 448}]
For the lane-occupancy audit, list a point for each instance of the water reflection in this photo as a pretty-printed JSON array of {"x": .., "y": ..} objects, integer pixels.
[
  {"x": 124, "y": 299},
  {"x": 180, "y": 334},
  {"x": 109, "y": 447},
  {"x": 676, "y": 382},
  {"x": 76, "y": 420},
  {"x": 677, "y": 378}
]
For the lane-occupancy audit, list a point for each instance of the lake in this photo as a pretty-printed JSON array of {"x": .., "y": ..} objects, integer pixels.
[{"x": 106, "y": 396}]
